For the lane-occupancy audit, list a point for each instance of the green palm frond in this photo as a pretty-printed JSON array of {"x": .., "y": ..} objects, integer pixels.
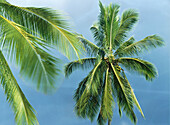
[
  {"x": 29, "y": 53},
  {"x": 90, "y": 47},
  {"x": 84, "y": 63},
  {"x": 98, "y": 34},
  {"x": 138, "y": 47},
  {"x": 123, "y": 45},
  {"x": 133, "y": 96},
  {"x": 128, "y": 20},
  {"x": 48, "y": 23},
  {"x": 87, "y": 91},
  {"x": 3, "y": 1},
  {"x": 124, "y": 97},
  {"x": 100, "y": 119},
  {"x": 142, "y": 67},
  {"x": 102, "y": 18},
  {"x": 112, "y": 26},
  {"x": 107, "y": 99},
  {"x": 24, "y": 112}
]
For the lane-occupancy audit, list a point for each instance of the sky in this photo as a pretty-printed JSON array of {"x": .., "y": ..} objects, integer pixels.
[{"x": 154, "y": 97}]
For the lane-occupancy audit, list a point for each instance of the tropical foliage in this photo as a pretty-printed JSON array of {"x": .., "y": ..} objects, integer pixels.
[
  {"x": 26, "y": 38},
  {"x": 107, "y": 84}
]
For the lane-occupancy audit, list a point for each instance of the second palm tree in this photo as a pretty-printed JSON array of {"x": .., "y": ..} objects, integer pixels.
[{"x": 113, "y": 52}]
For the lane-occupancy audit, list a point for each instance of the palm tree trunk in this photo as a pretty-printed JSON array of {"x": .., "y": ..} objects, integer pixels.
[{"x": 109, "y": 122}]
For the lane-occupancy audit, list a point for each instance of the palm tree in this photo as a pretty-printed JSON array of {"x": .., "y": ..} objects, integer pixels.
[
  {"x": 26, "y": 37},
  {"x": 107, "y": 83}
]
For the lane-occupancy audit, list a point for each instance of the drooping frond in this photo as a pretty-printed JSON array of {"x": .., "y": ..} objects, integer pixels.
[
  {"x": 128, "y": 20},
  {"x": 142, "y": 67},
  {"x": 124, "y": 96},
  {"x": 29, "y": 53},
  {"x": 90, "y": 47},
  {"x": 24, "y": 112},
  {"x": 48, "y": 23},
  {"x": 138, "y": 47},
  {"x": 100, "y": 119},
  {"x": 84, "y": 63},
  {"x": 123, "y": 45},
  {"x": 88, "y": 93},
  {"x": 107, "y": 99},
  {"x": 87, "y": 103},
  {"x": 133, "y": 95}
]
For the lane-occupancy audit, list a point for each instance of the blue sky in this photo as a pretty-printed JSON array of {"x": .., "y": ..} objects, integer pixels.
[{"x": 154, "y": 98}]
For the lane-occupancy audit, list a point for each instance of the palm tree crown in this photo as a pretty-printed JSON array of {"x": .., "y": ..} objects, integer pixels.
[
  {"x": 107, "y": 83},
  {"x": 26, "y": 36}
]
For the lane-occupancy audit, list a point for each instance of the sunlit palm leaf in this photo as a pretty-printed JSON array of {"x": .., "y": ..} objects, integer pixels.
[
  {"x": 128, "y": 20},
  {"x": 28, "y": 52},
  {"x": 140, "y": 66},
  {"x": 112, "y": 25},
  {"x": 124, "y": 96},
  {"x": 48, "y": 23},
  {"x": 133, "y": 96},
  {"x": 138, "y": 47},
  {"x": 107, "y": 99},
  {"x": 24, "y": 112},
  {"x": 89, "y": 93}
]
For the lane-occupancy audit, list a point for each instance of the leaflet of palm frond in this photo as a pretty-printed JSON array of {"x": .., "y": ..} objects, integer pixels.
[
  {"x": 49, "y": 24},
  {"x": 30, "y": 54},
  {"x": 24, "y": 112},
  {"x": 142, "y": 67},
  {"x": 127, "y": 22},
  {"x": 124, "y": 96},
  {"x": 143, "y": 45},
  {"x": 107, "y": 101},
  {"x": 123, "y": 45},
  {"x": 90, "y": 47},
  {"x": 84, "y": 63}
]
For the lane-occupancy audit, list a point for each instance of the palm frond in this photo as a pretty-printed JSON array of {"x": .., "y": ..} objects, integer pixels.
[
  {"x": 90, "y": 47},
  {"x": 98, "y": 34},
  {"x": 142, "y": 67},
  {"x": 124, "y": 97},
  {"x": 24, "y": 112},
  {"x": 84, "y": 63},
  {"x": 100, "y": 119},
  {"x": 123, "y": 45},
  {"x": 107, "y": 101},
  {"x": 88, "y": 92},
  {"x": 112, "y": 25},
  {"x": 133, "y": 96},
  {"x": 29, "y": 53},
  {"x": 3, "y": 1},
  {"x": 102, "y": 18},
  {"x": 138, "y": 47},
  {"x": 128, "y": 20},
  {"x": 49, "y": 24}
]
